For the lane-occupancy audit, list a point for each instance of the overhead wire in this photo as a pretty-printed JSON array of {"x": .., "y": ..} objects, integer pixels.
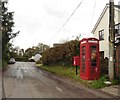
[
  {"x": 93, "y": 15},
  {"x": 70, "y": 16},
  {"x": 67, "y": 20}
]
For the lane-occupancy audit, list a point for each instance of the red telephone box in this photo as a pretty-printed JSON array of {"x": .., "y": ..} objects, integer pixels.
[
  {"x": 89, "y": 59},
  {"x": 76, "y": 61}
]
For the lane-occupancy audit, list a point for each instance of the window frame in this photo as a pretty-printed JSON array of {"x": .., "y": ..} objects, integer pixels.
[
  {"x": 117, "y": 29},
  {"x": 101, "y": 35}
]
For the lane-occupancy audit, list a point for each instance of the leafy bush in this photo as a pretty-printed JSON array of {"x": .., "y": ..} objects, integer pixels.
[
  {"x": 116, "y": 81},
  {"x": 99, "y": 83},
  {"x": 4, "y": 65},
  {"x": 61, "y": 54}
]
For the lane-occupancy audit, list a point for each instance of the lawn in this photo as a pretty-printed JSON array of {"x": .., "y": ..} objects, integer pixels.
[{"x": 70, "y": 71}]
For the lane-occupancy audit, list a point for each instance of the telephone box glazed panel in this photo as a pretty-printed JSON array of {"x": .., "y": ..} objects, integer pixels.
[
  {"x": 89, "y": 59},
  {"x": 76, "y": 61}
]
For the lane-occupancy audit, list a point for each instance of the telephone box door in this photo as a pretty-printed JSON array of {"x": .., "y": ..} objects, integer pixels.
[{"x": 94, "y": 61}]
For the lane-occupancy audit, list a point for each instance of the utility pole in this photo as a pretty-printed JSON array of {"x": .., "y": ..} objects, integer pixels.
[{"x": 111, "y": 41}]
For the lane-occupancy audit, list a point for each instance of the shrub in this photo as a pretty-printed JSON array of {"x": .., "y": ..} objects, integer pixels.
[{"x": 61, "y": 53}]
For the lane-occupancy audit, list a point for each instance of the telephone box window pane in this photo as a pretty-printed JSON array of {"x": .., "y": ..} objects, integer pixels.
[
  {"x": 93, "y": 56},
  {"x": 83, "y": 67},
  {"x": 83, "y": 54},
  {"x": 93, "y": 49},
  {"x": 93, "y": 63},
  {"x": 83, "y": 49},
  {"x": 83, "y": 59}
]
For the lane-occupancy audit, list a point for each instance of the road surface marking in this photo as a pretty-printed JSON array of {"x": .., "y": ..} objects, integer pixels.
[
  {"x": 19, "y": 73},
  {"x": 59, "y": 89}
]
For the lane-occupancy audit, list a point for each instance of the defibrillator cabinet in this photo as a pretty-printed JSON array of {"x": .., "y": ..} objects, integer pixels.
[{"x": 89, "y": 59}]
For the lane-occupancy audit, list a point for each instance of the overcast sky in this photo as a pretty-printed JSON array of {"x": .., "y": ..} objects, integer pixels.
[{"x": 39, "y": 20}]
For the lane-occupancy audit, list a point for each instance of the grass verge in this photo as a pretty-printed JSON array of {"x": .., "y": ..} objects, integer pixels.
[{"x": 69, "y": 71}]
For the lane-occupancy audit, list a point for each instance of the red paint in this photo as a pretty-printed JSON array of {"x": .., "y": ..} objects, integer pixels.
[
  {"x": 76, "y": 61},
  {"x": 89, "y": 59}
]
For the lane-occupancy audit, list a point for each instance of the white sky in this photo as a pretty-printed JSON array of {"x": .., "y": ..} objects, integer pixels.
[{"x": 39, "y": 20}]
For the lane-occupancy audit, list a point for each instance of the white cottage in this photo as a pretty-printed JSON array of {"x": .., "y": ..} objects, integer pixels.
[{"x": 101, "y": 29}]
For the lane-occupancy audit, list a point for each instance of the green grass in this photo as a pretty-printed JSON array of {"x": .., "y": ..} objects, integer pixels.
[
  {"x": 116, "y": 82},
  {"x": 69, "y": 71},
  {"x": 99, "y": 83},
  {"x": 60, "y": 70}
]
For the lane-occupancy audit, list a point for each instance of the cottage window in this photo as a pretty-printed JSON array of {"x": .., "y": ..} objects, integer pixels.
[
  {"x": 117, "y": 29},
  {"x": 101, "y": 35}
]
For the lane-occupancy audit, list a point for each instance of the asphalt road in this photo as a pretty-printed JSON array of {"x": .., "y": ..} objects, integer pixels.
[{"x": 24, "y": 80}]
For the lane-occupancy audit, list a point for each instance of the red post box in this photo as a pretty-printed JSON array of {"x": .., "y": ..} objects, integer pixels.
[
  {"x": 89, "y": 59},
  {"x": 76, "y": 61}
]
